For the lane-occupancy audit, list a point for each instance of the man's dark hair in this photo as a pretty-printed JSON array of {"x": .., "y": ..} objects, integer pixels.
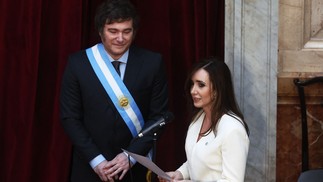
[{"x": 111, "y": 11}]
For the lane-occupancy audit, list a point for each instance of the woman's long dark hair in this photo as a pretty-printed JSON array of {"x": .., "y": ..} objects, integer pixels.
[{"x": 225, "y": 101}]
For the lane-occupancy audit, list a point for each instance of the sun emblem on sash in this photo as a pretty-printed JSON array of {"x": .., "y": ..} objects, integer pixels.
[{"x": 123, "y": 101}]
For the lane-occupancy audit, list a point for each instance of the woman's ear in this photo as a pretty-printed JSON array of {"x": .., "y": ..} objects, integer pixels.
[{"x": 214, "y": 95}]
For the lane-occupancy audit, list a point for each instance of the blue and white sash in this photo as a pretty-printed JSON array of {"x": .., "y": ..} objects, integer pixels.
[{"x": 115, "y": 88}]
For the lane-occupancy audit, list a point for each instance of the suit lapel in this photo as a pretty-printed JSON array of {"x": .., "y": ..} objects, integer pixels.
[
  {"x": 134, "y": 66},
  {"x": 98, "y": 84}
]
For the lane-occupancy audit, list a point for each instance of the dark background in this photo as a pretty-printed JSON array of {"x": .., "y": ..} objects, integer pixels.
[{"x": 37, "y": 35}]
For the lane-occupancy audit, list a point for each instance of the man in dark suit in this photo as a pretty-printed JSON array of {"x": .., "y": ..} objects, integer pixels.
[{"x": 103, "y": 108}]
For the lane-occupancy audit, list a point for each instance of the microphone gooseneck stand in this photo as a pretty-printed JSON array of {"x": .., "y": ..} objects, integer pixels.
[{"x": 153, "y": 175}]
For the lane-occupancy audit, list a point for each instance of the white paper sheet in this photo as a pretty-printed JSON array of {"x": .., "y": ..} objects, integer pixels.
[{"x": 145, "y": 161}]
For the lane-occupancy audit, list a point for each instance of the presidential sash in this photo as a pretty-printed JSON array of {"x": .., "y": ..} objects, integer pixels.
[{"x": 116, "y": 89}]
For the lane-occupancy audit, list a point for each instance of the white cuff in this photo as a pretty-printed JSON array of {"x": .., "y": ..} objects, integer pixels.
[
  {"x": 96, "y": 161},
  {"x": 133, "y": 161}
]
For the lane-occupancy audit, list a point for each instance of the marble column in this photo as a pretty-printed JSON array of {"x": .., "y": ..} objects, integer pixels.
[{"x": 251, "y": 44}]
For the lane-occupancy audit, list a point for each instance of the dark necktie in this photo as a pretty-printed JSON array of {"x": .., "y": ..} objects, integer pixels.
[{"x": 116, "y": 65}]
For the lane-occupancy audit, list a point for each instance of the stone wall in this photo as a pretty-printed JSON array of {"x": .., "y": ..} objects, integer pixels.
[{"x": 251, "y": 44}]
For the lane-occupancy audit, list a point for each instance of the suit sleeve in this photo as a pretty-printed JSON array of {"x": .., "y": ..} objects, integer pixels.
[
  {"x": 234, "y": 154},
  {"x": 159, "y": 97},
  {"x": 183, "y": 169},
  {"x": 72, "y": 114}
]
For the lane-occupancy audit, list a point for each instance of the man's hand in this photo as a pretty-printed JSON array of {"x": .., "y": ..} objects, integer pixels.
[
  {"x": 100, "y": 170},
  {"x": 120, "y": 164}
]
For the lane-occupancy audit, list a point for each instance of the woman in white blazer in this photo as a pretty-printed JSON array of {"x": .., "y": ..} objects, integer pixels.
[{"x": 217, "y": 139}]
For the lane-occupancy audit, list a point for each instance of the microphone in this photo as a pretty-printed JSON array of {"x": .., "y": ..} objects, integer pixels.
[{"x": 166, "y": 118}]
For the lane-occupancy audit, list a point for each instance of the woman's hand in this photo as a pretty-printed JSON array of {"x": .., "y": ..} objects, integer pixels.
[{"x": 175, "y": 175}]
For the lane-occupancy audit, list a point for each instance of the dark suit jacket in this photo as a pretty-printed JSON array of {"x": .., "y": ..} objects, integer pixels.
[{"x": 91, "y": 120}]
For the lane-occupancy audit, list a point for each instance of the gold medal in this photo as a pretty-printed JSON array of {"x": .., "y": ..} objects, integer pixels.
[{"x": 123, "y": 101}]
